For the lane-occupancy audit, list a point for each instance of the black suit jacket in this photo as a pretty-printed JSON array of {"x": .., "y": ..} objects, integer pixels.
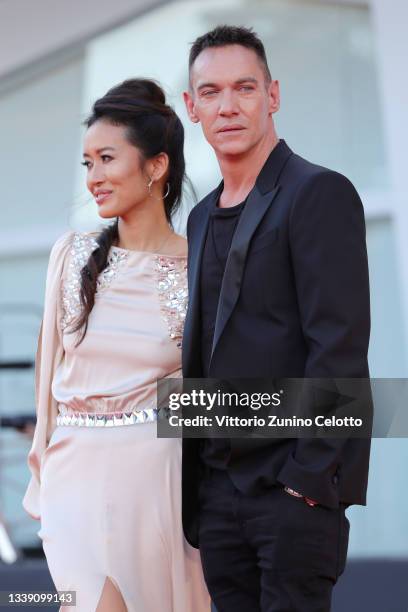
[{"x": 294, "y": 302}]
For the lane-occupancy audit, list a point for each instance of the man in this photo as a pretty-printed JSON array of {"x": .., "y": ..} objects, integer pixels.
[{"x": 278, "y": 286}]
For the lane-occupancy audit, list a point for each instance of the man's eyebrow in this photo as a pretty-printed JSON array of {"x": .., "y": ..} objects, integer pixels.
[
  {"x": 100, "y": 150},
  {"x": 203, "y": 85},
  {"x": 246, "y": 79}
]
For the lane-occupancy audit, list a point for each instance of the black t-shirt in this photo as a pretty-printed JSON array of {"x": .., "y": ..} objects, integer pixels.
[{"x": 221, "y": 228}]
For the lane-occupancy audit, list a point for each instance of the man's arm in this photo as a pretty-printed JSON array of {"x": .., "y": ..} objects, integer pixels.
[{"x": 328, "y": 249}]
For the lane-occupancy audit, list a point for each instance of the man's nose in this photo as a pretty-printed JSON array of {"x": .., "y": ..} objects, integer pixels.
[{"x": 228, "y": 103}]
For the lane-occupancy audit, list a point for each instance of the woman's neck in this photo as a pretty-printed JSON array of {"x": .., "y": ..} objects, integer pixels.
[{"x": 146, "y": 229}]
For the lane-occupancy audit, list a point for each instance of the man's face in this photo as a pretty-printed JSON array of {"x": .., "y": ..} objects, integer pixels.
[{"x": 231, "y": 99}]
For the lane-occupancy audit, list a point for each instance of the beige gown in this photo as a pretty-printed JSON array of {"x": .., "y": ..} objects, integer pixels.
[{"x": 106, "y": 489}]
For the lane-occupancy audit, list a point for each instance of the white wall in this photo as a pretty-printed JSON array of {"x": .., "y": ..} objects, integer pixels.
[{"x": 40, "y": 128}]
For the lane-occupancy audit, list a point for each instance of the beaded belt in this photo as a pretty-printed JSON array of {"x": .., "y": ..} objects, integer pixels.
[{"x": 89, "y": 419}]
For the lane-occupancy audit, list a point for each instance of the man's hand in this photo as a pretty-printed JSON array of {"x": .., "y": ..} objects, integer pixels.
[{"x": 307, "y": 500}]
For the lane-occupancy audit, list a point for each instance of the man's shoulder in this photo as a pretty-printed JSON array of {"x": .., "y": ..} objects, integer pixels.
[
  {"x": 309, "y": 172},
  {"x": 316, "y": 187}
]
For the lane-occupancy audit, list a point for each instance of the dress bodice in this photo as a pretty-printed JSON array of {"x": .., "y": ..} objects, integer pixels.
[{"x": 134, "y": 330}]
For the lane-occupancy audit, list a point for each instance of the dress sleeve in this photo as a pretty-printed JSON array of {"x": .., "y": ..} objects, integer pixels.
[{"x": 49, "y": 355}]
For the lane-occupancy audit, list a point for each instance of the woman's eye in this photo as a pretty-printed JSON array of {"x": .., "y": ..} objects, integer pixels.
[
  {"x": 106, "y": 158},
  {"x": 86, "y": 164}
]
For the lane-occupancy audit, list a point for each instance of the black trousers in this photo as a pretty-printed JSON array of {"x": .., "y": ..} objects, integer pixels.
[{"x": 268, "y": 553}]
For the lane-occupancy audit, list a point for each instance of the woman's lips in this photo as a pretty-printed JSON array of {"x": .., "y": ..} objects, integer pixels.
[{"x": 102, "y": 196}]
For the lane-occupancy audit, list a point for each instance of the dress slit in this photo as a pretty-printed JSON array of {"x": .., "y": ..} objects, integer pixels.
[{"x": 111, "y": 598}]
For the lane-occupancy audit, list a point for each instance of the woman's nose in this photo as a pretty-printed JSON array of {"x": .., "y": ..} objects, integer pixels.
[{"x": 96, "y": 175}]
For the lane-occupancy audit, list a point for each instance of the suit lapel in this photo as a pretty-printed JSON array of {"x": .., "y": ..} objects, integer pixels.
[
  {"x": 259, "y": 200},
  {"x": 254, "y": 211}
]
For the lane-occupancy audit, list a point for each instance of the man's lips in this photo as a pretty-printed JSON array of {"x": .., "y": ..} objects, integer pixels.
[
  {"x": 231, "y": 128},
  {"x": 101, "y": 196}
]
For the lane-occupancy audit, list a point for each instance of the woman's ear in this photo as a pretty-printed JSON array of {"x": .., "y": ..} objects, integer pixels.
[{"x": 157, "y": 167}]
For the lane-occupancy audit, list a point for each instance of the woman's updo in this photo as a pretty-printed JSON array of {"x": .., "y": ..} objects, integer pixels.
[{"x": 152, "y": 126}]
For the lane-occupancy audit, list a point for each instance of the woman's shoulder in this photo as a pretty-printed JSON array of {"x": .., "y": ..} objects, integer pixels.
[
  {"x": 62, "y": 242},
  {"x": 75, "y": 243},
  {"x": 69, "y": 253}
]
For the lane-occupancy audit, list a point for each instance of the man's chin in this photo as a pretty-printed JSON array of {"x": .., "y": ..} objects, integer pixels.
[{"x": 231, "y": 149}]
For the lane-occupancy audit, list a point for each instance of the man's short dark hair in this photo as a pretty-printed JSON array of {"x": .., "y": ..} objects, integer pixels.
[{"x": 224, "y": 35}]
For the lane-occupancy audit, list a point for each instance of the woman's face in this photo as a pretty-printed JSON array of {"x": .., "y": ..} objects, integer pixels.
[{"x": 114, "y": 170}]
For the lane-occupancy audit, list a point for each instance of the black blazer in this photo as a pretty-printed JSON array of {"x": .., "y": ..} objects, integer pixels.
[{"x": 294, "y": 302}]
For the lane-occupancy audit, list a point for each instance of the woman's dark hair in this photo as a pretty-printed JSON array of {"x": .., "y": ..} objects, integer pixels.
[{"x": 152, "y": 126}]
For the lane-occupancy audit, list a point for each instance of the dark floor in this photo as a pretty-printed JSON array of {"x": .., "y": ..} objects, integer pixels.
[
  {"x": 366, "y": 586},
  {"x": 373, "y": 586},
  {"x": 28, "y": 575}
]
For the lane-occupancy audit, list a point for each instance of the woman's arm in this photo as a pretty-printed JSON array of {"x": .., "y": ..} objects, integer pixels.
[{"x": 48, "y": 357}]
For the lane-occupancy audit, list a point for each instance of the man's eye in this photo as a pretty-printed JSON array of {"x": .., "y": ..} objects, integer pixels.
[
  {"x": 246, "y": 88},
  {"x": 208, "y": 93}
]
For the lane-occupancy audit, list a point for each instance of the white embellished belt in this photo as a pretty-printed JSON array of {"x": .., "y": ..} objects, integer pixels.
[{"x": 89, "y": 419}]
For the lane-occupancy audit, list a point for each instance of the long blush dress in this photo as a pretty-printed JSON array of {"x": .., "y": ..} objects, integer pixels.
[{"x": 106, "y": 489}]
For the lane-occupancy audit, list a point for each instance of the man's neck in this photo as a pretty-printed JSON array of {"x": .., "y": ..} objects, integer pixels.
[{"x": 240, "y": 173}]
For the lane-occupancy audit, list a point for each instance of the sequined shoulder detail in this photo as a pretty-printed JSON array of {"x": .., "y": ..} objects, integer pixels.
[
  {"x": 173, "y": 293},
  {"x": 81, "y": 247}
]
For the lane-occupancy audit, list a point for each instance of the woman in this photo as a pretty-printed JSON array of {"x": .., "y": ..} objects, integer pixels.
[{"x": 106, "y": 489}]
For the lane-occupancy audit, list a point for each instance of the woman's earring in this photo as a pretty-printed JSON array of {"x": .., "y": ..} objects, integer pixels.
[
  {"x": 149, "y": 187},
  {"x": 167, "y": 191}
]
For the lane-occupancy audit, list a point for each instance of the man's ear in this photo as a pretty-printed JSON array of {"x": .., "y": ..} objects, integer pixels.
[
  {"x": 274, "y": 97},
  {"x": 189, "y": 102}
]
